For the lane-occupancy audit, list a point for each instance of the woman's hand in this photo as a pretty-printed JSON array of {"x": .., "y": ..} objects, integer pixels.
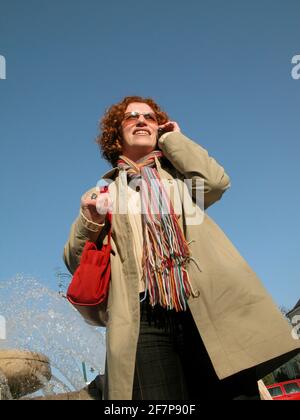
[
  {"x": 96, "y": 205},
  {"x": 170, "y": 126}
]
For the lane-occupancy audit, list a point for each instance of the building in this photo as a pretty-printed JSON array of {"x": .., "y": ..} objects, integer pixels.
[
  {"x": 293, "y": 313},
  {"x": 291, "y": 369}
]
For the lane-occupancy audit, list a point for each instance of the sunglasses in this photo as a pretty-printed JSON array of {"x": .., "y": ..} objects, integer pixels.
[{"x": 133, "y": 116}]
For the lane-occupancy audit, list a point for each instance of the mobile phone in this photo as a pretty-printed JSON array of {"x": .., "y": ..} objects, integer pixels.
[{"x": 160, "y": 132}]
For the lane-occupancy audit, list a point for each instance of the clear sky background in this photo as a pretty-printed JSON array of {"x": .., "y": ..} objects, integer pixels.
[{"x": 222, "y": 69}]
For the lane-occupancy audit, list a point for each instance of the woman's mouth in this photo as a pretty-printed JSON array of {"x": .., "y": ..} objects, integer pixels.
[{"x": 141, "y": 132}]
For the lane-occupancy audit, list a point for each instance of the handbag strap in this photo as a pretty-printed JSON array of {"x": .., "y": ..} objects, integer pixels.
[
  {"x": 109, "y": 218},
  {"x": 104, "y": 189}
]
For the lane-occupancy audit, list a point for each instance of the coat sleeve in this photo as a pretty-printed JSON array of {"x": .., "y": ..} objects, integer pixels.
[
  {"x": 194, "y": 162},
  {"x": 82, "y": 230}
]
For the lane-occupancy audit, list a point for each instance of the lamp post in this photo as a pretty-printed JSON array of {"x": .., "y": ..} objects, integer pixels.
[{"x": 84, "y": 372}]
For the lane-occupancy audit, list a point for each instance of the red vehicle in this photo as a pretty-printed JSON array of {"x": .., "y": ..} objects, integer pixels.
[{"x": 288, "y": 390}]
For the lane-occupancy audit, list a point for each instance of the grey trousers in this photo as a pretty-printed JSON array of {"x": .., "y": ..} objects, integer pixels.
[{"x": 172, "y": 362}]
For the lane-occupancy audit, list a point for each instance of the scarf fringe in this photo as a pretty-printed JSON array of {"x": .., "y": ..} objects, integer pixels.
[{"x": 165, "y": 274}]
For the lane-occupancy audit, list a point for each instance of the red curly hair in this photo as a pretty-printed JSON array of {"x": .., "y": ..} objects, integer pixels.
[{"x": 110, "y": 137}]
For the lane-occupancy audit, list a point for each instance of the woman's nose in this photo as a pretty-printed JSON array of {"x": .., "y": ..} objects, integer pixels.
[{"x": 141, "y": 120}]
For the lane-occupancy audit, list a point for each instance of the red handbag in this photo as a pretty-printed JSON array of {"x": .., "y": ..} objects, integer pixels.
[{"x": 89, "y": 287}]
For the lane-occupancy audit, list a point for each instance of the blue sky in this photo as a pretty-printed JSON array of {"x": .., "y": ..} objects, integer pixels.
[{"x": 222, "y": 69}]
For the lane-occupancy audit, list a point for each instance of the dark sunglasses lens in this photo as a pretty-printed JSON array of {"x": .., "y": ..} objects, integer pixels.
[
  {"x": 133, "y": 116},
  {"x": 150, "y": 117}
]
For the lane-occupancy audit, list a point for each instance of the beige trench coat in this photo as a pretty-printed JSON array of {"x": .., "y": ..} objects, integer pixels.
[{"x": 239, "y": 323}]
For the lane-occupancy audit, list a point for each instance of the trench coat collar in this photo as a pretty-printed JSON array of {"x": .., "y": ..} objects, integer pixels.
[{"x": 111, "y": 173}]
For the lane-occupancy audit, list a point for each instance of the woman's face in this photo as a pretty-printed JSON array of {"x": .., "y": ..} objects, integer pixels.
[{"x": 139, "y": 130}]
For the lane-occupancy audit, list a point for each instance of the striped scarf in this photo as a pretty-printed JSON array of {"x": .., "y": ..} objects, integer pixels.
[{"x": 165, "y": 250}]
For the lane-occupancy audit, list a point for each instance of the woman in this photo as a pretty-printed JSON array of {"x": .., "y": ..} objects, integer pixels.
[{"x": 186, "y": 317}]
